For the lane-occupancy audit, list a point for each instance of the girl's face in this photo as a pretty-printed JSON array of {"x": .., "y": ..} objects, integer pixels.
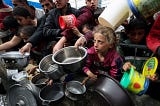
[
  {"x": 101, "y": 45},
  {"x": 136, "y": 35}
]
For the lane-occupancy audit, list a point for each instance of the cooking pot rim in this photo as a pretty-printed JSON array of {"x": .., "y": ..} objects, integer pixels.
[
  {"x": 83, "y": 86},
  {"x": 13, "y": 55},
  {"x": 39, "y": 75},
  {"x": 53, "y": 100},
  {"x": 104, "y": 97},
  {"x": 59, "y": 51}
]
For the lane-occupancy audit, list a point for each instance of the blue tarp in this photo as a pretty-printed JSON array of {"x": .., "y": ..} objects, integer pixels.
[{"x": 35, "y": 4}]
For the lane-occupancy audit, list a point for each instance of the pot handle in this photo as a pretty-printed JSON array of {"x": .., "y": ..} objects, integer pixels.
[
  {"x": 85, "y": 80},
  {"x": 45, "y": 102}
]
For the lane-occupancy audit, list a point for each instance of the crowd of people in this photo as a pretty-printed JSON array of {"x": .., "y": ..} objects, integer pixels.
[{"x": 38, "y": 32}]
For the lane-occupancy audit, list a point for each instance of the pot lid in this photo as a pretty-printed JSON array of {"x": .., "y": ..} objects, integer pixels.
[
  {"x": 150, "y": 66},
  {"x": 20, "y": 96}
]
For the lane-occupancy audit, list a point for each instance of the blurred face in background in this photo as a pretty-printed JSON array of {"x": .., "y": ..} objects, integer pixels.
[
  {"x": 92, "y": 3},
  {"x": 136, "y": 35},
  {"x": 17, "y": 3},
  {"x": 23, "y": 21},
  {"x": 60, "y": 4},
  {"x": 47, "y": 5}
]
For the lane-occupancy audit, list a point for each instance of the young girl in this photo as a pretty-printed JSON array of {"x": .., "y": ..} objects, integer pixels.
[{"x": 103, "y": 57}]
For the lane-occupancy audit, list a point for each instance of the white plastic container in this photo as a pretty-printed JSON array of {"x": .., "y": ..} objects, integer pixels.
[{"x": 114, "y": 14}]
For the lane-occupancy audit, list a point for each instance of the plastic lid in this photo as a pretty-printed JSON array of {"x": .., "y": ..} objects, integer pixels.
[
  {"x": 150, "y": 66},
  {"x": 126, "y": 78}
]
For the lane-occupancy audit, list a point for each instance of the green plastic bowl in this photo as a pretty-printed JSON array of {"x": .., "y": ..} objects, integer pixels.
[{"x": 126, "y": 78}]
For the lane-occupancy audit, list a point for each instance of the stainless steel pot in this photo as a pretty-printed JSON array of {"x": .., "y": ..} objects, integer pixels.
[
  {"x": 110, "y": 89},
  {"x": 15, "y": 60},
  {"x": 51, "y": 95},
  {"x": 70, "y": 58},
  {"x": 50, "y": 69},
  {"x": 75, "y": 90}
]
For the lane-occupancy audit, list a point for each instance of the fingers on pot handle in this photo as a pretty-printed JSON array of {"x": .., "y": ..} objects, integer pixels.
[{"x": 85, "y": 80}]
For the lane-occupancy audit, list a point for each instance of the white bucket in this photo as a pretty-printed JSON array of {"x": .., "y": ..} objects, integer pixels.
[{"x": 114, "y": 14}]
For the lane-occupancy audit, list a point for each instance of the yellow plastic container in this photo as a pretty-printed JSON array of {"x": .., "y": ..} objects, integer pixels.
[{"x": 135, "y": 82}]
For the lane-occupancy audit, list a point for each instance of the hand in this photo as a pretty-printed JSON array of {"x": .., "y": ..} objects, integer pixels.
[
  {"x": 57, "y": 47},
  {"x": 32, "y": 70},
  {"x": 49, "y": 82},
  {"x": 26, "y": 48},
  {"x": 153, "y": 78},
  {"x": 80, "y": 42},
  {"x": 127, "y": 66},
  {"x": 91, "y": 75}
]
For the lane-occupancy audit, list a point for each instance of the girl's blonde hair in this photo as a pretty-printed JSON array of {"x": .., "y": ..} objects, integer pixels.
[{"x": 107, "y": 32}]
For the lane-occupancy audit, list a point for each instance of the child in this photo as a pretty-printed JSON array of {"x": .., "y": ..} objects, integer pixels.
[
  {"x": 134, "y": 48},
  {"x": 103, "y": 57},
  {"x": 86, "y": 16},
  {"x": 26, "y": 31}
]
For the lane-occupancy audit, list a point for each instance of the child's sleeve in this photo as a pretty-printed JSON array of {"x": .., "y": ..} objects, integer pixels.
[{"x": 153, "y": 38}]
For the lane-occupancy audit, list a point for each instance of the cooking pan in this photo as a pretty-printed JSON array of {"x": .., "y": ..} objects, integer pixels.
[
  {"x": 75, "y": 90},
  {"x": 52, "y": 94},
  {"x": 112, "y": 91},
  {"x": 50, "y": 69}
]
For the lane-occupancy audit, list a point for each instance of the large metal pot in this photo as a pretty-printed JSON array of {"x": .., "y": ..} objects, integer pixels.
[
  {"x": 50, "y": 69},
  {"x": 20, "y": 96},
  {"x": 110, "y": 89},
  {"x": 51, "y": 95},
  {"x": 75, "y": 90},
  {"x": 70, "y": 58},
  {"x": 15, "y": 60}
]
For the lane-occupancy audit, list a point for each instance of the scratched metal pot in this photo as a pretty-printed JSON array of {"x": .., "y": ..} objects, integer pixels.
[
  {"x": 15, "y": 60},
  {"x": 39, "y": 80},
  {"x": 75, "y": 90},
  {"x": 70, "y": 58},
  {"x": 50, "y": 69},
  {"x": 52, "y": 94}
]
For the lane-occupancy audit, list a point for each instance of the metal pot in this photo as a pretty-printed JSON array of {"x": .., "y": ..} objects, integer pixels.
[
  {"x": 15, "y": 60},
  {"x": 50, "y": 69},
  {"x": 34, "y": 89},
  {"x": 20, "y": 96},
  {"x": 39, "y": 80},
  {"x": 70, "y": 58},
  {"x": 51, "y": 95},
  {"x": 112, "y": 91},
  {"x": 75, "y": 90}
]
